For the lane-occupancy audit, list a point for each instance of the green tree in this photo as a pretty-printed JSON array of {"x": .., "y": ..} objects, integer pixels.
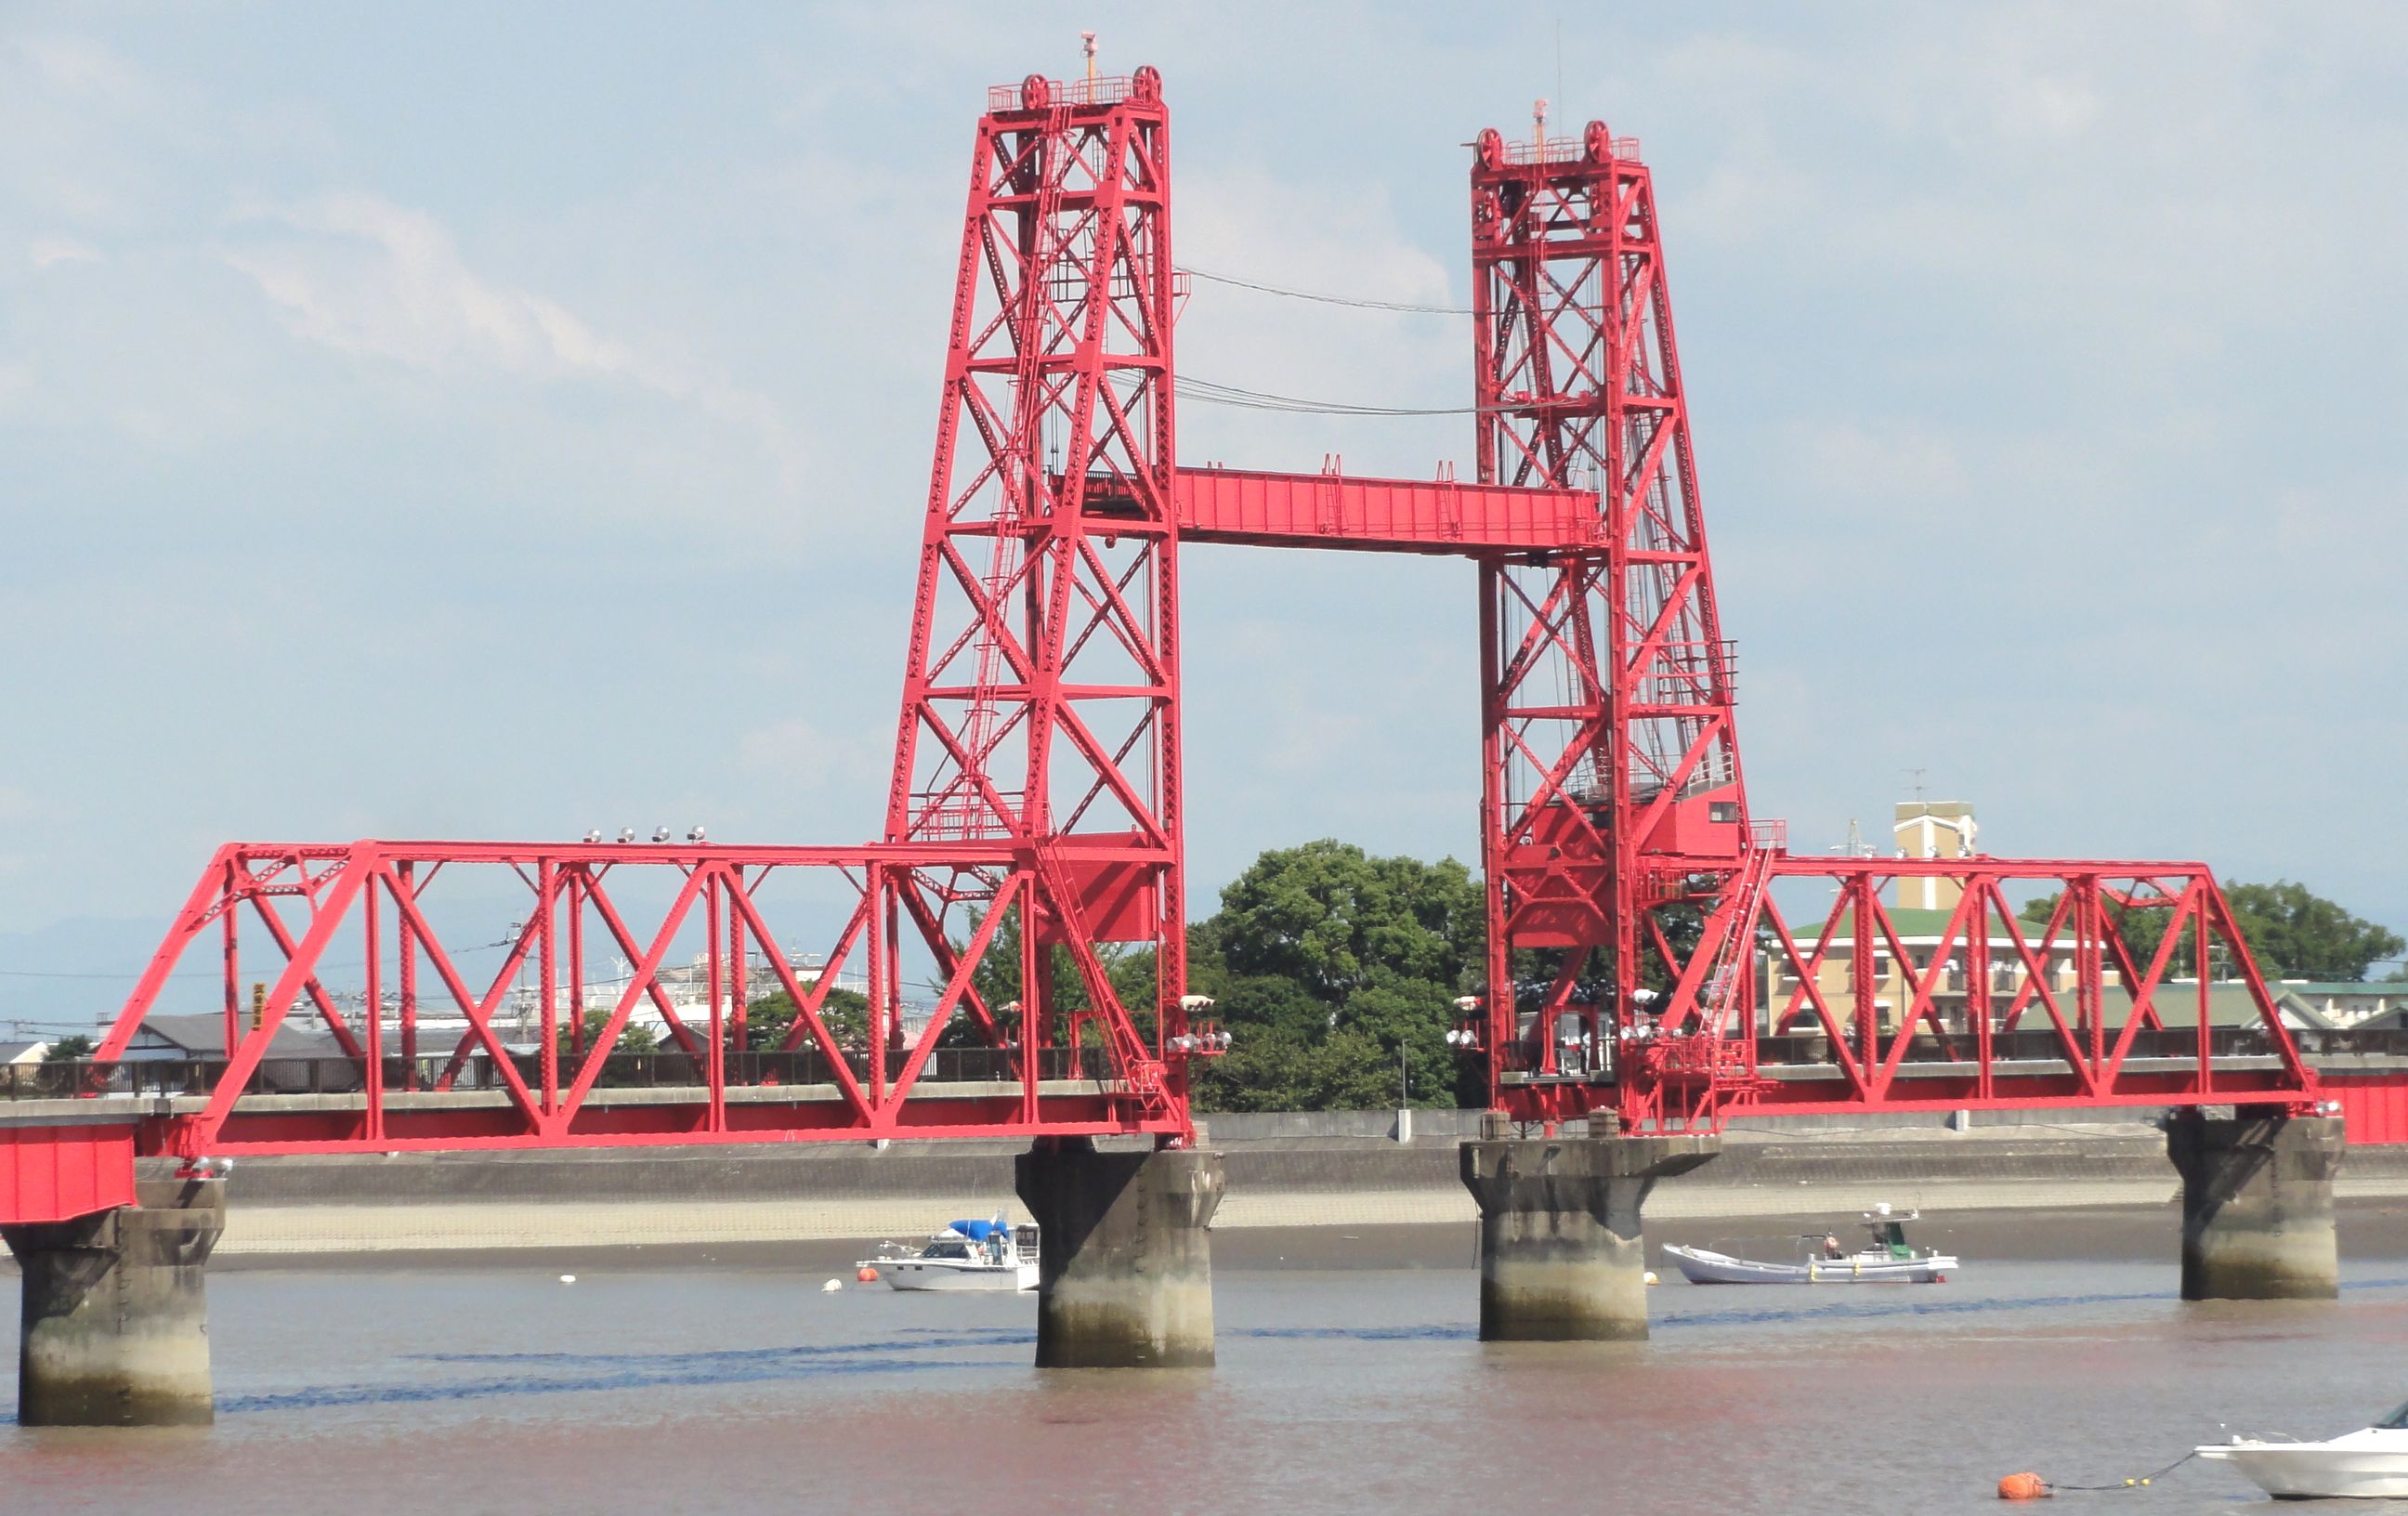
[
  {"x": 2292, "y": 931},
  {"x": 1336, "y": 973},
  {"x": 633, "y": 1038},
  {"x": 1335, "y": 920},
  {"x": 844, "y": 1013},
  {"x": 1129, "y": 969},
  {"x": 66, "y": 1050}
]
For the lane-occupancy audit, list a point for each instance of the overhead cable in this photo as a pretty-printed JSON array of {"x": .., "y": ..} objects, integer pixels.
[
  {"x": 1205, "y": 392},
  {"x": 1404, "y": 307}
]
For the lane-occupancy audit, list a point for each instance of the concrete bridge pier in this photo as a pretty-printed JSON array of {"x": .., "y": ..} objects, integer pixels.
[
  {"x": 1125, "y": 1274},
  {"x": 115, "y": 1315},
  {"x": 2257, "y": 1204},
  {"x": 1561, "y": 1254}
]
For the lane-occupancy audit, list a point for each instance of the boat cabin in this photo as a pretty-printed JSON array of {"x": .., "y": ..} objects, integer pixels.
[{"x": 983, "y": 1242}]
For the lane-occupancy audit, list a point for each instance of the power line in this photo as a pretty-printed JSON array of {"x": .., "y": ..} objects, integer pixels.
[
  {"x": 1401, "y": 306},
  {"x": 1205, "y": 392},
  {"x": 44, "y": 974},
  {"x": 186, "y": 973}
]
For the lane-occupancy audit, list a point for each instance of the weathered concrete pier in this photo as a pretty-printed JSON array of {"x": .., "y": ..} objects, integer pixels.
[
  {"x": 1124, "y": 1277},
  {"x": 115, "y": 1312},
  {"x": 1562, "y": 1257},
  {"x": 2257, "y": 1204}
]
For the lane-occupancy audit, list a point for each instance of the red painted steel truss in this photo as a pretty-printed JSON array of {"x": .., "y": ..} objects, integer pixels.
[
  {"x": 1640, "y": 963},
  {"x": 1632, "y": 897},
  {"x": 2112, "y": 1000},
  {"x": 527, "y": 1051}
]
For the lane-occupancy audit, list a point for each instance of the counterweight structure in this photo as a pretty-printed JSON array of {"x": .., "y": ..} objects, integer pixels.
[{"x": 1009, "y": 960}]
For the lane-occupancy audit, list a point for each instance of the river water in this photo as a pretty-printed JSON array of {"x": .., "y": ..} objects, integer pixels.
[{"x": 744, "y": 1389}]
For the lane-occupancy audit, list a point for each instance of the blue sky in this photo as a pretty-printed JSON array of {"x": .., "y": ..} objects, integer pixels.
[{"x": 500, "y": 421}]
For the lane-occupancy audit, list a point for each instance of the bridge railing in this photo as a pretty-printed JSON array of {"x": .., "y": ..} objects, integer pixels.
[
  {"x": 198, "y": 1077},
  {"x": 369, "y": 950},
  {"x": 1809, "y": 1048},
  {"x": 1806, "y": 1050}
]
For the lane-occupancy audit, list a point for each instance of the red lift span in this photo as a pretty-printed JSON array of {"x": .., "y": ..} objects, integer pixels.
[{"x": 1639, "y": 962}]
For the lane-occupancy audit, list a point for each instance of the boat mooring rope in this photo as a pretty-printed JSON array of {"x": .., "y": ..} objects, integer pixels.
[
  {"x": 2135, "y": 1483},
  {"x": 2031, "y": 1487}
]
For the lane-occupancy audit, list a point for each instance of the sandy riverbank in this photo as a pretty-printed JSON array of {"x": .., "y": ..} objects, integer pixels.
[
  {"x": 2111, "y": 1233},
  {"x": 692, "y": 1201}
]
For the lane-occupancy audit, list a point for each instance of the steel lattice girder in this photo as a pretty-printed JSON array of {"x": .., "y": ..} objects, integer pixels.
[
  {"x": 363, "y": 919},
  {"x": 1923, "y": 1025},
  {"x": 1037, "y": 767},
  {"x": 1041, "y": 698},
  {"x": 1607, "y": 704}
]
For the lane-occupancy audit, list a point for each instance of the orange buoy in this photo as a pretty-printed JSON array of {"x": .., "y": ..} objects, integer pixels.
[
  {"x": 2023, "y": 1487},
  {"x": 866, "y": 1274}
]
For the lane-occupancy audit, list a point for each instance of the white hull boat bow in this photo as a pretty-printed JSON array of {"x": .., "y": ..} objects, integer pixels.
[
  {"x": 1888, "y": 1259},
  {"x": 964, "y": 1255},
  {"x": 942, "y": 1274},
  {"x": 2369, "y": 1465},
  {"x": 1700, "y": 1265}
]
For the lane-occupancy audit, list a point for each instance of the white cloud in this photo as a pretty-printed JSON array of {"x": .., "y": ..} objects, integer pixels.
[
  {"x": 51, "y": 252},
  {"x": 1319, "y": 240},
  {"x": 73, "y": 65},
  {"x": 373, "y": 280}
]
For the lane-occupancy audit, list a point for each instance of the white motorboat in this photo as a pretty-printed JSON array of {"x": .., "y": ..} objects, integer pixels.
[
  {"x": 2371, "y": 1463},
  {"x": 961, "y": 1255},
  {"x": 1888, "y": 1259}
]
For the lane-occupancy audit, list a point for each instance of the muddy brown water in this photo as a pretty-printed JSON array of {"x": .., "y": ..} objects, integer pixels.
[{"x": 725, "y": 1380}]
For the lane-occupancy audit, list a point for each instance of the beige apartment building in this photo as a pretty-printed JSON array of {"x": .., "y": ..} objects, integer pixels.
[{"x": 1919, "y": 910}]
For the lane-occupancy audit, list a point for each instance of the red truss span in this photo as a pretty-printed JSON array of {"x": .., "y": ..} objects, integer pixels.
[{"x": 1641, "y": 962}]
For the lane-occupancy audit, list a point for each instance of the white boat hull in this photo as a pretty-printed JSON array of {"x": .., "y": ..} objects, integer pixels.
[
  {"x": 1700, "y": 1265},
  {"x": 2342, "y": 1469},
  {"x": 949, "y": 1274}
]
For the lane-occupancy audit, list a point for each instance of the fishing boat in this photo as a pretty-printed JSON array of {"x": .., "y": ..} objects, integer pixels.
[
  {"x": 1888, "y": 1258},
  {"x": 961, "y": 1255},
  {"x": 2371, "y": 1463}
]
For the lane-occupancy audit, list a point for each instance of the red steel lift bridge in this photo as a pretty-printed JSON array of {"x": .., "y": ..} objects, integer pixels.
[{"x": 1638, "y": 963}]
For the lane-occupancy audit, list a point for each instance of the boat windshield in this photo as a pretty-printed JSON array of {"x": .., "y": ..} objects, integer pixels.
[
  {"x": 946, "y": 1250},
  {"x": 2396, "y": 1422},
  {"x": 1890, "y": 1237}
]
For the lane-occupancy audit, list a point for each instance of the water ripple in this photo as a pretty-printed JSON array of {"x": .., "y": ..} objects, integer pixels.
[
  {"x": 666, "y": 1375},
  {"x": 900, "y": 1352}
]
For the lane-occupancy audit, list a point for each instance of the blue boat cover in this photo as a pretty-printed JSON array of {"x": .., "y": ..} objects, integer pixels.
[{"x": 977, "y": 1231}]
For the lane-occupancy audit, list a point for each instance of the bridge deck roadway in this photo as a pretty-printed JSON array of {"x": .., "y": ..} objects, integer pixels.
[
  {"x": 1816, "y": 1088},
  {"x": 130, "y": 1107},
  {"x": 334, "y": 1120}
]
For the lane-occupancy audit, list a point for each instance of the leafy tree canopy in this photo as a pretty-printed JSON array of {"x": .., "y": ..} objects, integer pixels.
[
  {"x": 633, "y": 1038},
  {"x": 1335, "y": 920},
  {"x": 844, "y": 1013},
  {"x": 1336, "y": 973}
]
